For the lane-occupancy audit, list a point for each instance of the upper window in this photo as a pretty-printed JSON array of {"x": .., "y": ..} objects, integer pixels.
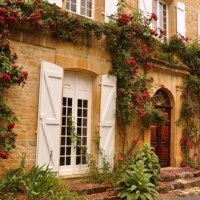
[
  {"x": 161, "y": 9},
  {"x": 81, "y": 7}
]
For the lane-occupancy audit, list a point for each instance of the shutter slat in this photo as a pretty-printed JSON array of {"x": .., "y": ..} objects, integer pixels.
[
  {"x": 107, "y": 120},
  {"x": 180, "y": 18},
  {"x": 49, "y": 116}
]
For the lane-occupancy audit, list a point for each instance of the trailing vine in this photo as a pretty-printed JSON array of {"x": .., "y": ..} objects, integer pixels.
[{"x": 131, "y": 41}]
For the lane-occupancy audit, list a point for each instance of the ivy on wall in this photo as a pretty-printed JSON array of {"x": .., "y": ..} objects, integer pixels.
[{"x": 132, "y": 45}]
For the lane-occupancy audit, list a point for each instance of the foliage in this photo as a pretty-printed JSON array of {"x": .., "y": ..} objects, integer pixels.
[
  {"x": 190, "y": 113},
  {"x": 130, "y": 41},
  {"x": 99, "y": 175},
  {"x": 37, "y": 183},
  {"x": 139, "y": 176},
  {"x": 12, "y": 182}
]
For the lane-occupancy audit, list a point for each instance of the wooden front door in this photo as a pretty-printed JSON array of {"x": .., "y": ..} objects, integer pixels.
[
  {"x": 160, "y": 139},
  {"x": 160, "y": 134}
]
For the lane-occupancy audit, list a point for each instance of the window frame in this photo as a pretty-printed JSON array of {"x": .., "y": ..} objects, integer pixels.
[
  {"x": 78, "y": 9},
  {"x": 157, "y": 12}
]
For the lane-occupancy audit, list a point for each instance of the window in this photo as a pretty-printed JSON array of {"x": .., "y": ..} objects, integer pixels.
[
  {"x": 81, "y": 7},
  {"x": 161, "y": 9}
]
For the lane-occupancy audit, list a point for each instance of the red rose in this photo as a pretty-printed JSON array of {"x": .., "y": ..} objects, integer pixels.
[
  {"x": 145, "y": 95},
  {"x": 121, "y": 157},
  {"x": 5, "y": 135},
  {"x": 25, "y": 75},
  {"x": 154, "y": 16},
  {"x": 5, "y": 76},
  {"x": 183, "y": 164},
  {"x": 10, "y": 125},
  {"x": 36, "y": 16},
  {"x": 149, "y": 65},
  {"x": 190, "y": 144},
  {"x": 3, "y": 11},
  {"x": 3, "y": 155}
]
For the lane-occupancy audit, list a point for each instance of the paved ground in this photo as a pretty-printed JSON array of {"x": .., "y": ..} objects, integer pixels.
[{"x": 184, "y": 194}]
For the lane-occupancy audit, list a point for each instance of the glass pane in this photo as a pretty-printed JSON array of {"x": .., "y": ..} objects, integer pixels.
[
  {"x": 63, "y": 121},
  {"x": 79, "y": 131},
  {"x": 68, "y": 150},
  {"x": 89, "y": 5},
  {"x": 78, "y": 142},
  {"x": 68, "y": 160},
  {"x": 69, "y": 101},
  {"x": 78, "y": 151},
  {"x": 89, "y": 13},
  {"x": 84, "y": 112},
  {"x": 84, "y": 141},
  {"x": 64, "y": 101},
  {"x": 79, "y": 113},
  {"x": 84, "y": 131},
  {"x": 62, "y": 140},
  {"x": 62, "y": 161},
  {"x": 78, "y": 160},
  {"x": 85, "y": 104},
  {"x": 64, "y": 111},
  {"x": 62, "y": 152},
  {"x": 83, "y": 2},
  {"x": 84, "y": 122},
  {"x": 84, "y": 151},
  {"x": 79, "y": 122},
  {"x": 79, "y": 103},
  {"x": 73, "y": 7},
  {"x": 73, "y": 1},
  {"x": 68, "y": 140},
  {"x": 83, "y": 10},
  {"x": 84, "y": 160},
  {"x": 69, "y": 112},
  {"x": 63, "y": 130}
]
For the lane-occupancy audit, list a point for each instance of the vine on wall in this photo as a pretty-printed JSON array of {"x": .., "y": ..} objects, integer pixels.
[{"x": 130, "y": 41}]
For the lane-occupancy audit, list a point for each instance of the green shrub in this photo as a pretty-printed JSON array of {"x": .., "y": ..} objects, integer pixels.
[
  {"x": 139, "y": 176},
  {"x": 96, "y": 175},
  {"x": 37, "y": 183}
]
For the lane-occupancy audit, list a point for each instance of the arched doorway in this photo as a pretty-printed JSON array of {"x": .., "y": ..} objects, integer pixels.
[{"x": 160, "y": 134}]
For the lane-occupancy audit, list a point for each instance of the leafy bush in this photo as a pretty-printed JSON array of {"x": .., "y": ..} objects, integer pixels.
[
  {"x": 37, "y": 183},
  {"x": 101, "y": 175},
  {"x": 140, "y": 176}
]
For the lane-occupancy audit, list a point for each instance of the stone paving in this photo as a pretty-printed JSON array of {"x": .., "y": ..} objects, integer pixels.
[{"x": 186, "y": 194}]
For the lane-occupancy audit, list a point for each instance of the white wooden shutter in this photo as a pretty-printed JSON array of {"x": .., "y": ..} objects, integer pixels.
[
  {"x": 180, "y": 7},
  {"x": 57, "y": 2},
  {"x": 107, "y": 120},
  {"x": 146, "y": 7},
  {"x": 199, "y": 25},
  {"x": 110, "y": 8},
  {"x": 49, "y": 115}
]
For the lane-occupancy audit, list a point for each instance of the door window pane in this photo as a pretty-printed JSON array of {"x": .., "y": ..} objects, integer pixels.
[{"x": 67, "y": 128}]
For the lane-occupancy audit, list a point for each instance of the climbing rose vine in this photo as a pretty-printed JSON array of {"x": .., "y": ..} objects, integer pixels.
[{"x": 10, "y": 75}]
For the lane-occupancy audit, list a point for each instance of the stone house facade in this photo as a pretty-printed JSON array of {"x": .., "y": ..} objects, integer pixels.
[{"x": 71, "y": 79}]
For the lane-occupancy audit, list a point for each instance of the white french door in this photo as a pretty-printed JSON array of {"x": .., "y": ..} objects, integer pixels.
[{"x": 75, "y": 128}]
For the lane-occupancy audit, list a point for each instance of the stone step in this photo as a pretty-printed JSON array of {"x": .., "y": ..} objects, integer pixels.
[
  {"x": 89, "y": 188},
  {"x": 165, "y": 187},
  {"x": 172, "y": 174}
]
